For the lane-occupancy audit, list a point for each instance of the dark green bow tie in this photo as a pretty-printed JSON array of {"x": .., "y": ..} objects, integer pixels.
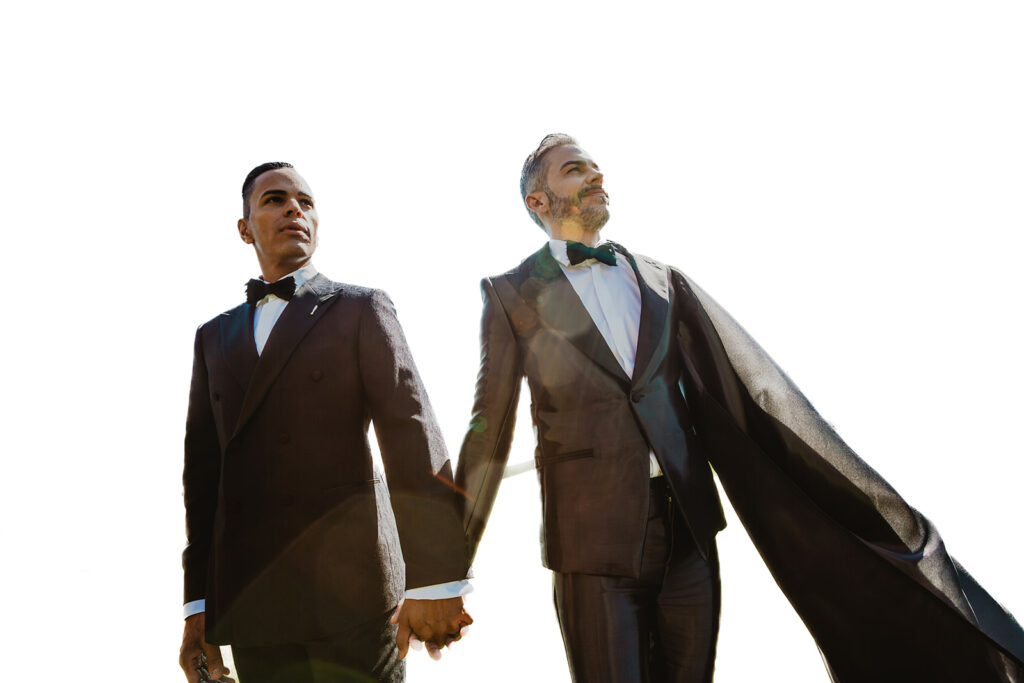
[{"x": 578, "y": 253}]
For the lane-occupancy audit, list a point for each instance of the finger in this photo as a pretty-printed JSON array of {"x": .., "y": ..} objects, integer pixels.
[
  {"x": 189, "y": 661},
  {"x": 398, "y": 608},
  {"x": 402, "y": 639},
  {"x": 214, "y": 662},
  {"x": 433, "y": 650},
  {"x": 456, "y": 625},
  {"x": 415, "y": 643}
]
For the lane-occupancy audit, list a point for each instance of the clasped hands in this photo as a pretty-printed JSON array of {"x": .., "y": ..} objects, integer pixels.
[{"x": 435, "y": 623}]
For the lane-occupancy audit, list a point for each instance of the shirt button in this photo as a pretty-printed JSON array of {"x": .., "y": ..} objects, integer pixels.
[
  {"x": 284, "y": 437},
  {"x": 317, "y": 375},
  {"x": 216, "y": 396}
]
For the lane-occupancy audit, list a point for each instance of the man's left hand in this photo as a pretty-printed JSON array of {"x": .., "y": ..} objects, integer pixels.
[{"x": 434, "y": 622}]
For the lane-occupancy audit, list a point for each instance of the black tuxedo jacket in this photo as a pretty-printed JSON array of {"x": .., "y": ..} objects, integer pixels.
[
  {"x": 293, "y": 535},
  {"x": 866, "y": 572}
]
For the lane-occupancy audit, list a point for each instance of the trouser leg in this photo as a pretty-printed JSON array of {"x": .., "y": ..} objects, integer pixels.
[
  {"x": 688, "y": 611},
  {"x": 659, "y": 627}
]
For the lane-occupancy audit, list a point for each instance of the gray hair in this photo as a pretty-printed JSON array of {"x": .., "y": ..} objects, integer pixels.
[{"x": 534, "y": 170}]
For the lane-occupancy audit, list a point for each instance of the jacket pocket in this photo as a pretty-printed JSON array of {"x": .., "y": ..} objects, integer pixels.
[{"x": 562, "y": 457}]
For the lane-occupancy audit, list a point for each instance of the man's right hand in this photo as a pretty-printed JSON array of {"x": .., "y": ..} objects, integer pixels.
[{"x": 193, "y": 644}]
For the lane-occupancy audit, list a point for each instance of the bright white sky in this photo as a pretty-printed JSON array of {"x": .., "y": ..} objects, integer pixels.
[{"x": 844, "y": 177}]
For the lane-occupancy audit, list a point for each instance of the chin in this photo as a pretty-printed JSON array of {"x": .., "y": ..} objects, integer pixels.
[{"x": 593, "y": 220}]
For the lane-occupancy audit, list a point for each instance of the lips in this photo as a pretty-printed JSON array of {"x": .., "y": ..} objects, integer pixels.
[
  {"x": 296, "y": 228},
  {"x": 594, "y": 191}
]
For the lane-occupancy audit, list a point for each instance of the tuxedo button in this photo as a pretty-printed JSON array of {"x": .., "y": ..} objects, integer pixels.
[
  {"x": 216, "y": 397},
  {"x": 317, "y": 375},
  {"x": 284, "y": 437},
  {"x": 636, "y": 397}
]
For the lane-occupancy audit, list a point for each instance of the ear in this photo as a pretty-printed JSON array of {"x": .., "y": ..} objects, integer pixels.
[
  {"x": 537, "y": 202},
  {"x": 243, "y": 231}
]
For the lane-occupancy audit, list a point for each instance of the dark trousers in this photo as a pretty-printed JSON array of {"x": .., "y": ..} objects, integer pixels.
[
  {"x": 660, "y": 627},
  {"x": 364, "y": 654}
]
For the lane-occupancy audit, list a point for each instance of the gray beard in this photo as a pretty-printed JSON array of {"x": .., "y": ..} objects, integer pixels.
[{"x": 590, "y": 219}]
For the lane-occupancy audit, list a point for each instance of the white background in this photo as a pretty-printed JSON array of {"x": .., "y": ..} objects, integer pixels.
[{"x": 845, "y": 178}]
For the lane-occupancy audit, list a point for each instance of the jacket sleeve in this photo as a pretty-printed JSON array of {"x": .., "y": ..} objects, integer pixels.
[
  {"x": 486, "y": 446},
  {"x": 200, "y": 479},
  {"x": 419, "y": 474}
]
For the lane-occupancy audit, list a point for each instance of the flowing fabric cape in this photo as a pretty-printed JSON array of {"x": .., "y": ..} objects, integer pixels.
[{"x": 867, "y": 573}]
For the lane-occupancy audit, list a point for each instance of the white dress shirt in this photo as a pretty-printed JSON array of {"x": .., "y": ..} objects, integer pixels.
[
  {"x": 611, "y": 296},
  {"x": 268, "y": 311}
]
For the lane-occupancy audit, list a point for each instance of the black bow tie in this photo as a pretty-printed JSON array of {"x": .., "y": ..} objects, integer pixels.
[
  {"x": 578, "y": 253},
  {"x": 257, "y": 289}
]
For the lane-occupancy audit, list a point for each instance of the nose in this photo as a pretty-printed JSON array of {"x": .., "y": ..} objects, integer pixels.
[
  {"x": 595, "y": 177},
  {"x": 293, "y": 208}
]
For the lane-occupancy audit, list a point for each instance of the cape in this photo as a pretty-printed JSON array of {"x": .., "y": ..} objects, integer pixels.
[{"x": 867, "y": 573}]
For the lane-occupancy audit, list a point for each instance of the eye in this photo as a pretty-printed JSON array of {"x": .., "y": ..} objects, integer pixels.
[{"x": 307, "y": 202}]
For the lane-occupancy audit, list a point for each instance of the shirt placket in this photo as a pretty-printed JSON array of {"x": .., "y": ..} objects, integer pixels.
[{"x": 615, "y": 324}]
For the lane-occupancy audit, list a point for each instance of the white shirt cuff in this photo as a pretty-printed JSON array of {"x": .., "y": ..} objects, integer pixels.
[
  {"x": 194, "y": 607},
  {"x": 440, "y": 591}
]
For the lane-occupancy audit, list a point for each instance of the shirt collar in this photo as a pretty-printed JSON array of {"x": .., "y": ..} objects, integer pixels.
[{"x": 301, "y": 276}]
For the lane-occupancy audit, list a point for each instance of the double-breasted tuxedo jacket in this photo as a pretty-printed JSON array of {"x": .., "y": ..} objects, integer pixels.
[
  {"x": 293, "y": 535},
  {"x": 866, "y": 572}
]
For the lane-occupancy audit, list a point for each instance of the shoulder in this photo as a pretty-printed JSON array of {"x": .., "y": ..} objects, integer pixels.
[
  {"x": 215, "y": 322},
  {"x": 641, "y": 258},
  {"x": 355, "y": 293},
  {"x": 344, "y": 295},
  {"x": 527, "y": 268},
  {"x": 676, "y": 278},
  {"x": 356, "y": 303}
]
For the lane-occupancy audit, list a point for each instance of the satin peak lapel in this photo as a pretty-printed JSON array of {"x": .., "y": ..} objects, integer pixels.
[
  {"x": 653, "y": 339},
  {"x": 549, "y": 293},
  {"x": 237, "y": 343},
  {"x": 298, "y": 317}
]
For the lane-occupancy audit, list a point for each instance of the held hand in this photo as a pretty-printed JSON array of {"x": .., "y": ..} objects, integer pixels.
[
  {"x": 193, "y": 644},
  {"x": 434, "y": 622}
]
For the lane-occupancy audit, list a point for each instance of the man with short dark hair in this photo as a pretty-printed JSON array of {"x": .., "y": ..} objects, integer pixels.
[
  {"x": 638, "y": 379},
  {"x": 298, "y": 551}
]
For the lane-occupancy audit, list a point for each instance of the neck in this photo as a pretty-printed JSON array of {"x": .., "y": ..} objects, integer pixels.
[
  {"x": 575, "y": 233},
  {"x": 275, "y": 271}
]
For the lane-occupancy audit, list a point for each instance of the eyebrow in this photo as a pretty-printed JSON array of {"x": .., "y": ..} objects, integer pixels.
[
  {"x": 577, "y": 162},
  {"x": 279, "y": 193}
]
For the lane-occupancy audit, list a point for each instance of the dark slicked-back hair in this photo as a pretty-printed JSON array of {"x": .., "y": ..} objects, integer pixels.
[
  {"x": 250, "y": 180},
  {"x": 534, "y": 173}
]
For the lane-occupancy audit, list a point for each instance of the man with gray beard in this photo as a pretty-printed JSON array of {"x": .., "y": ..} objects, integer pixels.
[{"x": 639, "y": 380}]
